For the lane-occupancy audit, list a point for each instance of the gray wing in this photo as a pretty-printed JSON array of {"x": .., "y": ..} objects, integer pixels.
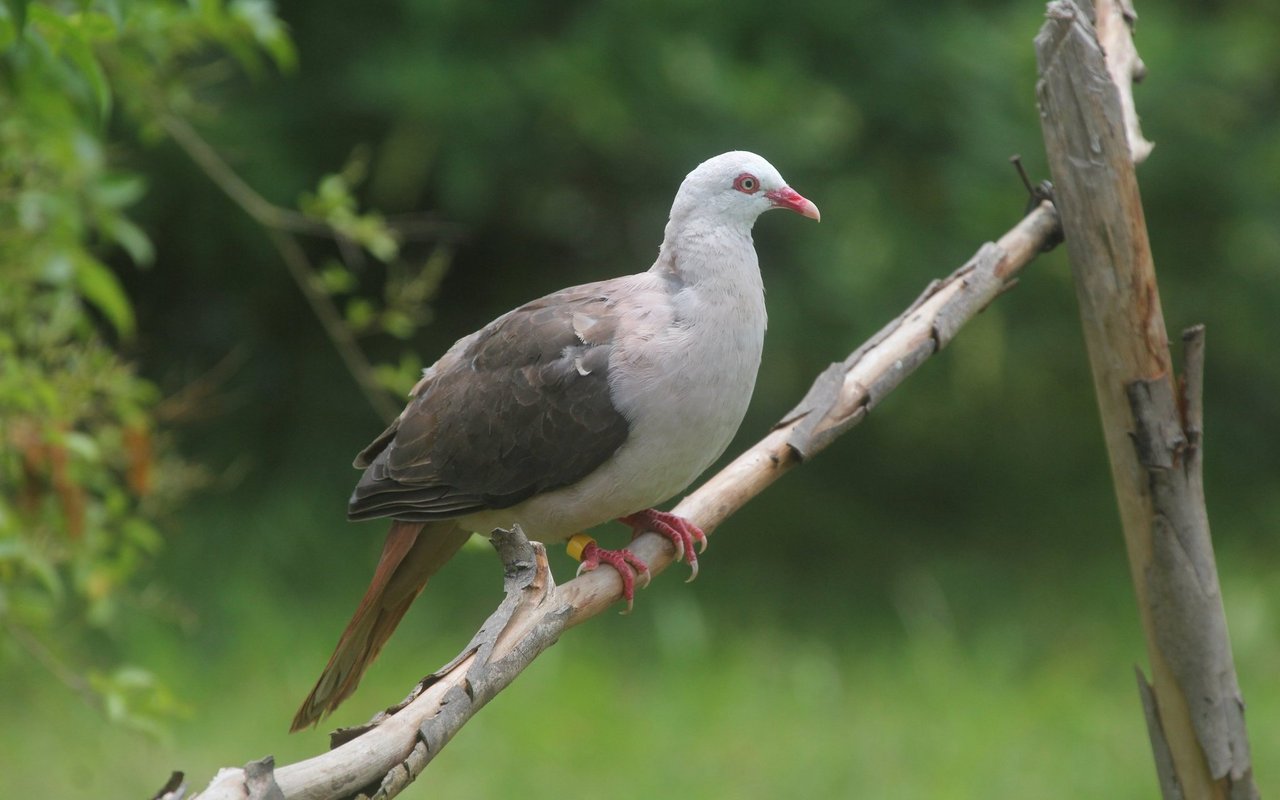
[{"x": 519, "y": 408}]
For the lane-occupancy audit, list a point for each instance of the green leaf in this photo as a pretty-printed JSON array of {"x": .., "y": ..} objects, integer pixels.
[
  {"x": 397, "y": 323},
  {"x": 400, "y": 378},
  {"x": 133, "y": 677},
  {"x": 82, "y": 445},
  {"x": 331, "y": 197},
  {"x": 259, "y": 16},
  {"x": 337, "y": 279},
  {"x": 134, "y": 697},
  {"x": 378, "y": 239},
  {"x": 360, "y": 313},
  {"x": 130, "y": 237},
  {"x": 80, "y": 53},
  {"x": 119, "y": 189},
  {"x": 99, "y": 285},
  {"x": 68, "y": 37},
  {"x": 143, "y": 535},
  {"x": 98, "y": 25},
  {"x": 36, "y": 564}
]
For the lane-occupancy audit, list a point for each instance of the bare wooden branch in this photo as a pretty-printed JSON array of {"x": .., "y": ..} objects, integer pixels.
[
  {"x": 1114, "y": 21},
  {"x": 1193, "y": 698},
  {"x": 381, "y": 758}
]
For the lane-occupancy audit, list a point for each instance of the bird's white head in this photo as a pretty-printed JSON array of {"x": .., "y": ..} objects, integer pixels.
[{"x": 733, "y": 189}]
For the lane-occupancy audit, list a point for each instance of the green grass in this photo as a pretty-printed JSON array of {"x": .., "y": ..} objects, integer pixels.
[{"x": 1031, "y": 698}]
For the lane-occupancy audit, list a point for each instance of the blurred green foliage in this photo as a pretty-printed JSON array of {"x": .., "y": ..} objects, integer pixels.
[
  {"x": 86, "y": 472},
  {"x": 946, "y": 587},
  {"x": 403, "y": 306}
]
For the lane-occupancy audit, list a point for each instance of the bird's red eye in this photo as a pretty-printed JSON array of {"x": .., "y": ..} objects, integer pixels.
[{"x": 746, "y": 183}]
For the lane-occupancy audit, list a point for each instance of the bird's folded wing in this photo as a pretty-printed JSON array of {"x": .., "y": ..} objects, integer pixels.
[{"x": 521, "y": 407}]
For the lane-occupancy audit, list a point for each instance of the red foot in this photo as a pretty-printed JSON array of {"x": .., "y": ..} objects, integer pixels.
[
  {"x": 679, "y": 530},
  {"x": 628, "y": 565}
]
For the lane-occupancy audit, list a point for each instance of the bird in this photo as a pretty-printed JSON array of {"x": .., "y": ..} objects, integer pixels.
[{"x": 593, "y": 403}]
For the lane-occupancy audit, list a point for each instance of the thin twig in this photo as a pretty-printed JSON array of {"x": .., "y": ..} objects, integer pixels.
[
  {"x": 263, "y": 211},
  {"x": 295, "y": 260},
  {"x": 414, "y": 226},
  {"x": 281, "y": 223},
  {"x": 197, "y": 399},
  {"x": 47, "y": 659}
]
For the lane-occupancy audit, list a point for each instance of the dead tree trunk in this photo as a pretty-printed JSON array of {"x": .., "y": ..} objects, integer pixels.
[{"x": 1195, "y": 712}]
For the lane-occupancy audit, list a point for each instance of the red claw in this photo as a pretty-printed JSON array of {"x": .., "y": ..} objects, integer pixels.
[
  {"x": 627, "y": 564},
  {"x": 630, "y": 566},
  {"x": 679, "y": 530}
]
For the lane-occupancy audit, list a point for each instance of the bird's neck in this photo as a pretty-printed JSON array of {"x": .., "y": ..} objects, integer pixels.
[{"x": 698, "y": 252}]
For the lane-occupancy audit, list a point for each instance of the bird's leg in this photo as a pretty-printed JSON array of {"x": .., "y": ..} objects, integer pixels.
[
  {"x": 679, "y": 530},
  {"x": 627, "y": 564}
]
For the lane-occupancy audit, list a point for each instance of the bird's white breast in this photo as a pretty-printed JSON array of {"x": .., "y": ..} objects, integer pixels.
[
  {"x": 682, "y": 371},
  {"x": 686, "y": 391}
]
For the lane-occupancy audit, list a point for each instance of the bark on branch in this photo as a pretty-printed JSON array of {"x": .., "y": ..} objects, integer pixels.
[
  {"x": 1182, "y": 579},
  {"x": 379, "y": 759},
  {"x": 1193, "y": 704}
]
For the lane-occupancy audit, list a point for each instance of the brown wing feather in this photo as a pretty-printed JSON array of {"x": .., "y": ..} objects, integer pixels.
[{"x": 519, "y": 408}]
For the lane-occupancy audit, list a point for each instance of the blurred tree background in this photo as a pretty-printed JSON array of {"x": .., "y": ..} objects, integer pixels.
[{"x": 938, "y": 606}]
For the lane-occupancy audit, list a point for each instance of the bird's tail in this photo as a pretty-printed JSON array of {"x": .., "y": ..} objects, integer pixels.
[{"x": 412, "y": 554}]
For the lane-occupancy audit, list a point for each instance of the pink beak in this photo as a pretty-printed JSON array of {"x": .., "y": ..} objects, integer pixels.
[{"x": 790, "y": 199}]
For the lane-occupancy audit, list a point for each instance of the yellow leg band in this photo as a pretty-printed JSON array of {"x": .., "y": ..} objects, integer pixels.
[{"x": 576, "y": 544}]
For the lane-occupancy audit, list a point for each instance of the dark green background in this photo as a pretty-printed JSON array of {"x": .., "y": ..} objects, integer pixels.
[{"x": 938, "y": 606}]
